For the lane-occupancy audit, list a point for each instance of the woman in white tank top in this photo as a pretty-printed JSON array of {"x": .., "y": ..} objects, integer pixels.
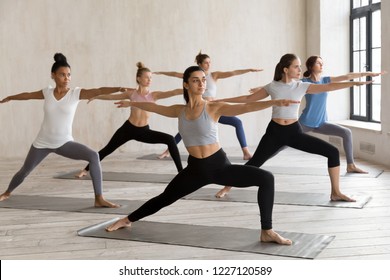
[{"x": 55, "y": 136}]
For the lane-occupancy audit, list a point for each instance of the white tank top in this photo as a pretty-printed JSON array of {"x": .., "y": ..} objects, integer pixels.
[
  {"x": 211, "y": 87},
  {"x": 56, "y": 128}
]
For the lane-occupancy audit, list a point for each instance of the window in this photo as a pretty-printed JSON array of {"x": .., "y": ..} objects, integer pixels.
[{"x": 366, "y": 56}]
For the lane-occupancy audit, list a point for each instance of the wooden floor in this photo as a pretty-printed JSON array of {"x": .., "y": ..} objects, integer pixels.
[{"x": 362, "y": 234}]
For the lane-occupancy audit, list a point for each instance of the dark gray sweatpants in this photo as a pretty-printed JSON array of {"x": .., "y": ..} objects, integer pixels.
[{"x": 72, "y": 150}]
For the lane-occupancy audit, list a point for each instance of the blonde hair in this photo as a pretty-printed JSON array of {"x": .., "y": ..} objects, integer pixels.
[{"x": 141, "y": 69}]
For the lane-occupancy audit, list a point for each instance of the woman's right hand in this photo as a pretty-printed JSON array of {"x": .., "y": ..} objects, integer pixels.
[
  {"x": 122, "y": 104},
  {"x": 286, "y": 102},
  {"x": 7, "y": 99}
]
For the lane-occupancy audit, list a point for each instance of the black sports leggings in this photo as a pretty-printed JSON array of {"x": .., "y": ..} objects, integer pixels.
[
  {"x": 215, "y": 169},
  {"x": 143, "y": 134},
  {"x": 291, "y": 135}
]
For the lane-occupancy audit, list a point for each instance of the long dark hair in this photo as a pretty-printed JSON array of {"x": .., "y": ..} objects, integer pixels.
[
  {"x": 186, "y": 77},
  {"x": 60, "y": 61},
  {"x": 309, "y": 65},
  {"x": 285, "y": 62}
]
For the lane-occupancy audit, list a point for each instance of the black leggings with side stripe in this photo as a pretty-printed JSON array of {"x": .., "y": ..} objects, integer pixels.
[
  {"x": 277, "y": 136},
  {"x": 143, "y": 134},
  {"x": 215, "y": 169}
]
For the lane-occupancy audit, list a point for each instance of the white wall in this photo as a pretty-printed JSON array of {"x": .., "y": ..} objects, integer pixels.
[{"x": 103, "y": 40}]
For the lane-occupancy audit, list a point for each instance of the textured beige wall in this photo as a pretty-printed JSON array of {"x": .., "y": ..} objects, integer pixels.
[{"x": 103, "y": 40}]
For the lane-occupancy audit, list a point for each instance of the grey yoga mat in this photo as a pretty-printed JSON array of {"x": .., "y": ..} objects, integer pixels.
[
  {"x": 123, "y": 177},
  {"x": 319, "y": 171},
  {"x": 214, "y": 237},
  {"x": 289, "y": 198},
  {"x": 185, "y": 157},
  {"x": 166, "y": 178},
  {"x": 68, "y": 204}
]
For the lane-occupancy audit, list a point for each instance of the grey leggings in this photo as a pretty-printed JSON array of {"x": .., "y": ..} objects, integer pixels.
[
  {"x": 335, "y": 130},
  {"x": 70, "y": 150}
]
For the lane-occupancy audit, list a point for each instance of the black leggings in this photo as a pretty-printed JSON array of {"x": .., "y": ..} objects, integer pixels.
[
  {"x": 143, "y": 134},
  {"x": 277, "y": 136},
  {"x": 215, "y": 169}
]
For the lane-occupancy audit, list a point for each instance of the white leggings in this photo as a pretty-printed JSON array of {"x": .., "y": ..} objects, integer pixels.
[
  {"x": 72, "y": 150},
  {"x": 335, "y": 130}
]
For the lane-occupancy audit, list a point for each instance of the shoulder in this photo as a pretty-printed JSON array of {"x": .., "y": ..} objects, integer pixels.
[
  {"x": 76, "y": 92},
  {"x": 213, "y": 106},
  {"x": 303, "y": 85}
]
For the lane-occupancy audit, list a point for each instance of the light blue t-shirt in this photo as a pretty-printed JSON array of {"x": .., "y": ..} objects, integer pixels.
[
  {"x": 294, "y": 90},
  {"x": 314, "y": 114}
]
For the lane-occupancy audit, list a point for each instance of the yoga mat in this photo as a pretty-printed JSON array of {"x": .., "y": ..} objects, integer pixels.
[
  {"x": 68, "y": 204},
  {"x": 225, "y": 238},
  {"x": 319, "y": 171},
  {"x": 287, "y": 170},
  {"x": 123, "y": 177},
  {"x": 185, "y": 157},
  {"x": 287, "y": 198}
]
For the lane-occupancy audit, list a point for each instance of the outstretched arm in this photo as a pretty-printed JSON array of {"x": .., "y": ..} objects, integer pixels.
[
  {"x": 222, "y": 75},
  {"x": 260, "y": 94},
  {"x": 165, "y": 94},
  {"x": 226, "y": 109},
  {"x": 121, "y": 96},
  {"x": 170, "y": 74},
  {"x": 168, "y": 111},
  {"x": 317, "y": 88},
  {"x": 351, "y": 76},
  {"x": 90, "y": 93},
  {"x": 24, "y": 96}
]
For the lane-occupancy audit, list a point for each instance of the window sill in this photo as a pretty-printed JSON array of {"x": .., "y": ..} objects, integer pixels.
[{"x": 375, "y": 127}]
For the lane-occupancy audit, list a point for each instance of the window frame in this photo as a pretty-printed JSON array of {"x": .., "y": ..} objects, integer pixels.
[{"x": 361, "y": 12}]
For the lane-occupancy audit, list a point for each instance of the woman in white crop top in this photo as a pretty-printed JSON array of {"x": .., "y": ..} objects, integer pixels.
[
  {"x": 204, "y": 61},
  {"x": 284, "y": 128},
  {"x": 136, "y": 127},
  {"x": 55, "y": 136},
  {"x": 207, "y": 163}
]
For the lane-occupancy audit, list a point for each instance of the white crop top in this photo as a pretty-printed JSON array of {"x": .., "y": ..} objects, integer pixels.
[
  {"x": 294, "y": 90},
  {"x": 211, "y": 87},
  {"x": 56, "y": 128}
]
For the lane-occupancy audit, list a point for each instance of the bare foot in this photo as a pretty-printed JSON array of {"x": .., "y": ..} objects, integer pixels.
[
  {"x": 81, "y": 174},
  {"x": 246, "y": 154},
  {"x": 122, "y": 223},
  {"x": 223, "y": 192},
  {"x": 165, "y": 154},
  {"x": 341, "y": 197},
  {"x": 271, "y": 236},
  {"x": 247, "y": 157},
  {"x": 101, "y": 202},
  {"x": 4, "y": 196},
  {"x": 351, "y": 168}
]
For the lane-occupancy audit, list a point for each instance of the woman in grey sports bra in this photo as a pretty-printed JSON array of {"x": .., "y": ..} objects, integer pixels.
[
  {"x": 207, "y": 162},
  {"x": 204, "y": 61}
]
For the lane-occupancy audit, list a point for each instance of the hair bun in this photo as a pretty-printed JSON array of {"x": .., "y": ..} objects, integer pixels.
[
  {"x": 140, "y": 65},
  {"x": 59, "y": 57}
]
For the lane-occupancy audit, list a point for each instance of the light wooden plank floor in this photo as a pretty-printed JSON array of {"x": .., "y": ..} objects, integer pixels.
[{"x": 360, "y": 233}]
